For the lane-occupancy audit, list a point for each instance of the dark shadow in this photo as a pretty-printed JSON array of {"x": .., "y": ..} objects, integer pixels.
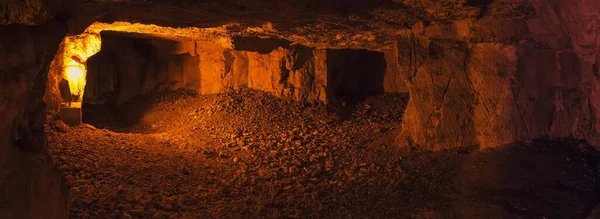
[
  {"x": 353, "y": 75},
  {"x": 251, "y": 13},
  {"x": 128, "y": 117},
  {"x": 540, "y": 178},
  {"x": 481, "y": 4},
  {"x": 124, "y": 75},
  {"x": 102, "y": 79}
]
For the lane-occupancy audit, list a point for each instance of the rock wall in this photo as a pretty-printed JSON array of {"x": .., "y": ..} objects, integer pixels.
[
  {"x": 292, "y": 73},
  {"x": 55, "y": 74},
  {"x": 297, "y": 73},
  {"x": 73, "y": 51},
  {"x": 438, "y": 114},
  {"x": 127, "y": 67},
  {"x": 212, "y": 68},
  {"x": 30, "y": 185},
  {"x": 488, "y": 94}
]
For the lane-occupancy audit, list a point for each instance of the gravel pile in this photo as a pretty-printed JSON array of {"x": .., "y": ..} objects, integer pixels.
[{"x": 249, "y": 155}]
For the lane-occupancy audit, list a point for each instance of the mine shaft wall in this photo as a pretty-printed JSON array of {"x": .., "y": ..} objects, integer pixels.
[
  {"x": 31, "y": 186},
  {"x": 297, "y": 73},
  {"x": 492, "y": 94},
  {"x": 489, "y": 94}
]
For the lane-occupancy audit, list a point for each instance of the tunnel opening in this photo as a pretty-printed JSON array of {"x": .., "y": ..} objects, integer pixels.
[
  {"x": 353, "y": 76},
  {"x": 128, "y": 68}
]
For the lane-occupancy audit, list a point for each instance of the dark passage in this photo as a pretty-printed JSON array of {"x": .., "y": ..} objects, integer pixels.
[
  {"x": 129, "y": 66},
  {"x": 353, "y": 75}
]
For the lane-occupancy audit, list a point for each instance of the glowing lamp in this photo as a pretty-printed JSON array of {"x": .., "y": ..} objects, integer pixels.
[
  {"x": 75, "y": 74},
  {"x": 72, "y": 93}
]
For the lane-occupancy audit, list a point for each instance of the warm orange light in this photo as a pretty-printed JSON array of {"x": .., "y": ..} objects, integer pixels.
[
  {"x": 77, "y": 49},
  {"x": 76, "y": 77}
]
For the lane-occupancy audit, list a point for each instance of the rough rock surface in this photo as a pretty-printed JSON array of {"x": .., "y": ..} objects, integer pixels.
[
  {"x": 454, "y": 107},
  {"x": 499, "y": 71},
  {"x": 31, "y": 186},
  {"x": 250, "y": 154},
  {"x": 129, "y": 65},
  {"x": 73, "y": 51},
  {"x": 543, "y": 84}
]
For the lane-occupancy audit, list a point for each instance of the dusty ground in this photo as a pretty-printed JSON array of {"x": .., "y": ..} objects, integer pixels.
[{"x": 250, "y": 155}]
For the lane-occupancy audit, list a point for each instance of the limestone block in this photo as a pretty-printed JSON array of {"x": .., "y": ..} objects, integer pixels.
[
  {"x": 266, "y": 71},
  {"x": 212, "y": 69},
  {"x": 71, "y": 114},
  {"x": 236, "y": 66},
  {"x": 492, "y": 94},
  {"x": 191, "y": 72}
]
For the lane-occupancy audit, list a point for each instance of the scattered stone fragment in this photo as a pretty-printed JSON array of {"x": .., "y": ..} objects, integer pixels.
[{"x": 262, "y": 157}]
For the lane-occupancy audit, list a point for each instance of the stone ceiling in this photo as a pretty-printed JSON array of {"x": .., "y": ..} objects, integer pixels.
[{"x": 370, "y": 24}]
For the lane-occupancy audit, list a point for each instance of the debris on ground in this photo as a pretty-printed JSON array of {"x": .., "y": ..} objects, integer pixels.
[{"x": 250, "y": 155}]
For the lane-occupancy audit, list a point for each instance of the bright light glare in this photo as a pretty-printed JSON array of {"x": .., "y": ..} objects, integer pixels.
[
  {"x": 76, "y": 78},
  {"x": 74, "y": 73}
]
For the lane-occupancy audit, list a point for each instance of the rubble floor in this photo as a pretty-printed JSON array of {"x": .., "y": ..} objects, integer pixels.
[{"x": 248, "y": 154}]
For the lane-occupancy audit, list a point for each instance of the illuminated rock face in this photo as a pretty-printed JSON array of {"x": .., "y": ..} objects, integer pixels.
[
  {"x": 493, "y": 94},
  {"x": 459, "y": 96},
  {"x": 489, "y": 94},
  {"x": 69, "y": 63},
  {"x": 129, "y": 65},
  {"x": 296, "y": 73}
]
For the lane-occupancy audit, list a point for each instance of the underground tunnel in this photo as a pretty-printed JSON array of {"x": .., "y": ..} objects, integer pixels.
[{"x": 299, "y": 109}]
